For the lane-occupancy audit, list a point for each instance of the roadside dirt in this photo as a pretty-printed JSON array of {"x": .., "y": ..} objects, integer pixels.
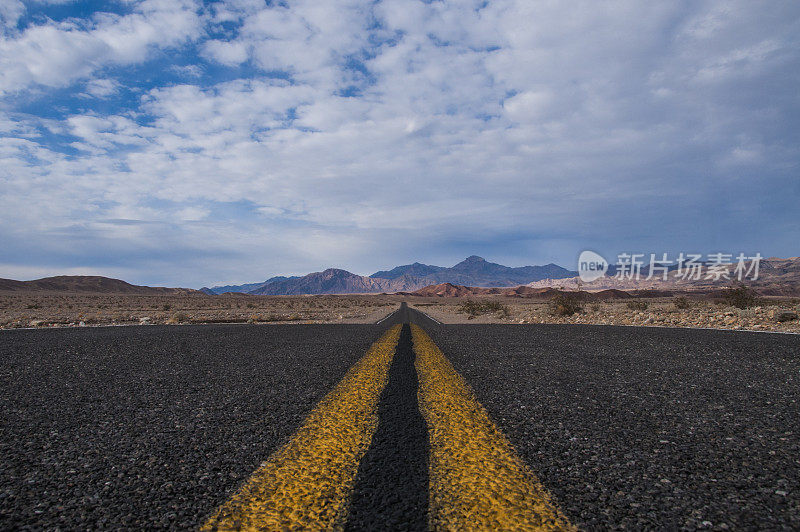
[
  {"x": 659, "y": 312},
  {"x": 76, "y": 310},
  {"x": 73, "y": 310}
]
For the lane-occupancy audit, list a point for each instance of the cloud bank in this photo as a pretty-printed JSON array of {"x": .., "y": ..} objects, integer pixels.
[{"x": 184, "y": 143}]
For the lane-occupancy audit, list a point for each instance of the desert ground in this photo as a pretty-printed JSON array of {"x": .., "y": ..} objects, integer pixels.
[
  {"x": 65, "y": 310},
  {"x": 654, "y": 312},
  {"x": 21, "y": 310}
]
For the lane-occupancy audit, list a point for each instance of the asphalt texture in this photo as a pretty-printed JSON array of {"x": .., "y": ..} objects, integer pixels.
[
  {"x": 391, "y": 491},
  {"x": 153, "y": 427},
  {"x": 628, "y": 428},
  {"x": 645, "y": 428}
]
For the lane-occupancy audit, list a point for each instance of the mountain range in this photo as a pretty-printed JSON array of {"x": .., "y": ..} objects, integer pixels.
[
  {"x": 472, "y": 271},
  {"x": 473, "y": 276}
]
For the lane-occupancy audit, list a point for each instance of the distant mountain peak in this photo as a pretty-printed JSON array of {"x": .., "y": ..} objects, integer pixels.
[
  {"x": 476, "y": 263},
  {"x": 416, "y": 269},
  {"x": 336, "y": 271}
]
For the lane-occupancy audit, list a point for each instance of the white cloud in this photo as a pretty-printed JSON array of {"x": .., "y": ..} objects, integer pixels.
[
  {"x": 471, "y": 121},
  {"x": 56, "y": 54},
  {"x": 227, "y": 53},
  {"x": 528, "y": 106},
  {"x": 102, "y": 88},
  {"x": 192, "y": 214},
  {"x": 191, "y": 71},
  {"x": 10, "y": 13}
]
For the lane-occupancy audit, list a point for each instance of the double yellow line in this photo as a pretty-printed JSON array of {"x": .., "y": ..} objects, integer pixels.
[{"x": 477, "y": 482}]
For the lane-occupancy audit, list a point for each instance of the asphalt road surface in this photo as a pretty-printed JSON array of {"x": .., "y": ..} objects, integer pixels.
[
  {"x": 150, "y": 427},
  {"x": 391, "y": 489},
  {"x": 645, "y": 427},
  {"x": 155, "y": 427}
]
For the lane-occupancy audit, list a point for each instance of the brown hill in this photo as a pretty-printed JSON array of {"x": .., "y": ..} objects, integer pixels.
[
  {"x": 527, "y": 291},
  {"x": 450, "y": 290},
  {"x": 615, "y": 294},
  {"x": 86, "y": 284}
]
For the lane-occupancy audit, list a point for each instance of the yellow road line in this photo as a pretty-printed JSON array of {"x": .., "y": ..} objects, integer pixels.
[
  {"x": 477, "y": 482},
  {"x": 306, "y": 484}
]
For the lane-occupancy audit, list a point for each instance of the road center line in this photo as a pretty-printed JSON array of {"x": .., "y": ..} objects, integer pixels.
[
  {"x": 391, "y": 490},
  {"x": 307, "y": 483},
  {"x": 477, "y": 481}
]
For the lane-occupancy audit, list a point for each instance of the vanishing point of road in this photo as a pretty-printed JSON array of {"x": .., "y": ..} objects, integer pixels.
[{"x": 405, "y": 424}]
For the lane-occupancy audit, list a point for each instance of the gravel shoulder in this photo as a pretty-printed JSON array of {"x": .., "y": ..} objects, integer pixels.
[{"x": 660, "y": 312}]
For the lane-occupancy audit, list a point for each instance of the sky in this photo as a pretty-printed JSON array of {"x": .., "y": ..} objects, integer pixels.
[{"x": 181, "y": 143}]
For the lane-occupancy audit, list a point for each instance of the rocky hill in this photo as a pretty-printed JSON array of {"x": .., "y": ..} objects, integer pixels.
[
  {"x": 412, "y": 270},
  {"x": 86, "y": 284},
  {"x": 332, "y": 281}
]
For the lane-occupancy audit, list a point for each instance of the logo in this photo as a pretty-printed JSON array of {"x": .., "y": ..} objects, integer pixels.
[{"x": 591, "y": 266}]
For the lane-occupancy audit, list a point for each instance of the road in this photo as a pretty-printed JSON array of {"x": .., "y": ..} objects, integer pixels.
[
  {"x": 645, "y": 427},
  {"x": 149, "y": 427},
  {"x": 596, "y": 427}
]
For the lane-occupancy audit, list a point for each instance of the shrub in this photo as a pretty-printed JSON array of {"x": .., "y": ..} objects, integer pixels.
[
  {"x": 740, "y": 296},
  {"x": 179, "y": 317},
  {"x": 565, "y": 305},
  {"x": 469, "y": 307},
  {"x": 478, "y": 308},
  {"x": 682, "y": 303},
  {"x": 637, "y": 305}
]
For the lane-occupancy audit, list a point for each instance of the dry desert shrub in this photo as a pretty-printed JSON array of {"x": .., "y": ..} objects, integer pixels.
[
  {"x": 478, "y": 308},
  {"x": 740, "y": 296},
  {"x": 637, "y": 305},
  {"x": 682, "y": 303},
  {"x": 178, "y": 317},
  {"x": 565, "y": 305}
]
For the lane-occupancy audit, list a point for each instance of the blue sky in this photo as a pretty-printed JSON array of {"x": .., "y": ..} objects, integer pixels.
[{"x": 187, "y": 143}]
